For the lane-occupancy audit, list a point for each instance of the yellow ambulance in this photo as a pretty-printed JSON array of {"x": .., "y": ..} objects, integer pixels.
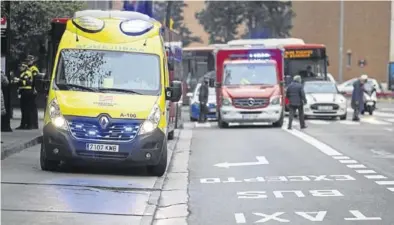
[{"x": 109, "y": 93}]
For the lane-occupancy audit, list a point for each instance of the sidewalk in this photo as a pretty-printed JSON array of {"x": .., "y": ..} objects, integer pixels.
[{"x": 16, "y": 141}]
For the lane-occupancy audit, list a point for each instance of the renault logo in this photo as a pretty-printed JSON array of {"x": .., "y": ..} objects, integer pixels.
[
  {"x": 250, "y": 101},
  {"x": 104, "y": 122}
]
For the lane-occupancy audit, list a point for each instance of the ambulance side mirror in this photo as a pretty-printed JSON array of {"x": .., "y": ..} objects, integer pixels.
[{"x": 42, "y": 84}]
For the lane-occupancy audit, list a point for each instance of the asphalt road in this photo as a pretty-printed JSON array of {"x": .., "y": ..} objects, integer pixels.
[{"x": 334, "y": 172}]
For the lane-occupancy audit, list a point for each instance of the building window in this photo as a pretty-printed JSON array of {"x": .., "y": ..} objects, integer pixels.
[{"x": 349, "y": 58}]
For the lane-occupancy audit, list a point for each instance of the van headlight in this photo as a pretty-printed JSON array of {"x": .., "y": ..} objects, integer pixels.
[
  {"x": 276, "y": 100},
  {"x": 226, "y": 101},
  {"x": 151, "y": 123},
  {"x": 56, "y": 116}
]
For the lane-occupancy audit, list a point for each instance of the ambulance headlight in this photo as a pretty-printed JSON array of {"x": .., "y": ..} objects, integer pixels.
[
  {"x": 276, "y": 100},
  {"x": 226, "y": 101},
  {"x": 88, "y": 24},
  {"x": 151, "y": 123},
  {"x": 56, "y": 116},
  {"x": 135, "y": 27}
]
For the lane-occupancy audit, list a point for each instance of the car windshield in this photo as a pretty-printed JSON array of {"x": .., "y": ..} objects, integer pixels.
[
  {"x": 108, "y": 71},
  {"x": 250, "y": 73},
  {"x": 320, "y": 87}
]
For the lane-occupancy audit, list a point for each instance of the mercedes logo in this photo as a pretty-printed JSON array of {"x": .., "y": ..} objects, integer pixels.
[
  {"x": 250, "y": 101},
  {"x": 104, "y": 121}
]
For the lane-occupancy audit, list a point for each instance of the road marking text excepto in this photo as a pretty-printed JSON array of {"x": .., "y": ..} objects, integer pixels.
[
  {"x": 375, "y": 177},
  {"x": 365, "y": 171}
]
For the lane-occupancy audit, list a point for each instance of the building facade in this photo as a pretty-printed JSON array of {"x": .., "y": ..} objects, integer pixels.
[{"x": 366, "y": 40}]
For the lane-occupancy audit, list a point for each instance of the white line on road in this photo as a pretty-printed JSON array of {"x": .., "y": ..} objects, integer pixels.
[
  {"x": 318, "y": 122},
  {"x": 365, "y": 171},
  {"x": 389, "y": 129},
  {"x": 348, "y": 161},
  {"x": 341, "y": 157},
  {"x": 202, "y": 124},
  {"x": 240, "y": 218},
  {"x": 391, "y": 120},
  {"x": 357, "y": 166},
  {"x": 391, "y": 189},
  {"x": 385, "y": 182},
  {"x": 348, "y": 122},
  {"x": 374, "y": 121},
  {"x": 375, "y": 177},
  {"x": 314, "y": 142}
]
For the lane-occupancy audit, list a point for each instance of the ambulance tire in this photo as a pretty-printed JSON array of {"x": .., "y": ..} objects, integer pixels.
[
  {"x": 279, "y": 123},
  {"x": 46, "y": 164},
  {"x": 170, "y": 135},
  {"x": 159, "y": 169},
  {"x": 222, "y": 124}
]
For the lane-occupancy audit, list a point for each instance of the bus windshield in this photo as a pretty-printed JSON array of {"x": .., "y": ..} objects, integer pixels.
[
  {"x": 304, "y": 67},
  {"x": 249, "y": 74}
]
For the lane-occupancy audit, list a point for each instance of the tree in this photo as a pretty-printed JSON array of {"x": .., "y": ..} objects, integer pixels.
[
  {"x": 177, "y": 16},
  {"x": 221, "y": 19},
  {"x": 30, "y": 23},
  {"x": 263, "y": 19}
]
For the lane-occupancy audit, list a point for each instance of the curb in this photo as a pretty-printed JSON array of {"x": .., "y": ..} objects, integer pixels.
[
  {"x": 16, "y": 148},
  {"x": 154, "y": 198}
]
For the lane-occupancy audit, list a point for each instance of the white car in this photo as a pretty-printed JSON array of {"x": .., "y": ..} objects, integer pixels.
[
  {"x": 324, "y": 100},
  {"x": 347, "y": 86}
]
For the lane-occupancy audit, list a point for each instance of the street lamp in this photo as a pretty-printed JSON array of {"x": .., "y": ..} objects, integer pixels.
[{"x": 341, "y": 24}]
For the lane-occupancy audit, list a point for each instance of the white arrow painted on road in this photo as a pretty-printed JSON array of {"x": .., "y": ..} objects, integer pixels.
[{"x": 261, "y": 160}]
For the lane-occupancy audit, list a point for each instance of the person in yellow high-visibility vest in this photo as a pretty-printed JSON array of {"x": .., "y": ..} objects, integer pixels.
[
  {"x": 25, "y": 82},
  {"x": 34, "y": 70}
]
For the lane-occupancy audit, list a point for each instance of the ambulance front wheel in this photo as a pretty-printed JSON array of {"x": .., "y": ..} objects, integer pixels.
[
  {"x": 221, "y": 123},
  {"x": 47, "y": 164},
  {"x": 159, "y": 169}
]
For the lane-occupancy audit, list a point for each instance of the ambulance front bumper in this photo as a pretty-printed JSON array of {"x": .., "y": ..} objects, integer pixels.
[{"x": 269, "y": 114}]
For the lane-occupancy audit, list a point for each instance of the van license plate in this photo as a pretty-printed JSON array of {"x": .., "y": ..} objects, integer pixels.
[
  {"x": 102, "y": 148},
  {"x": 325, "y": 108}
]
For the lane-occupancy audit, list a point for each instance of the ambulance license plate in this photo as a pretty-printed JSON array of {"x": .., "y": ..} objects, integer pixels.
[
  {"x": 249, "y": 116},
  {"x": 102, "y": 147}
]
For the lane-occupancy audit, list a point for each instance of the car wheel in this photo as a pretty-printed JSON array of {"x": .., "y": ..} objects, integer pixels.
[
  {"x": 193, "y": 119},
  {"x": 343, "y": 117},
  {"x": 159, "y": 169},
  {"x": 46, "y": 164},
  {"x": 370, "y": 111},
  {"x": 170, "y": 135}
]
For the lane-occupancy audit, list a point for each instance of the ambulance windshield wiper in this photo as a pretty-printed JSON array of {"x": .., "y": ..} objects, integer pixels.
[
  {"x": 62, "y": 85},
  {"x": 119, "y": 90}
]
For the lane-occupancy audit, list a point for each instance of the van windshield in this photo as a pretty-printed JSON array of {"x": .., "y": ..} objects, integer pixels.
[
  {"x": 108, "y": 71},
  {"x": 246, "y": 74}
]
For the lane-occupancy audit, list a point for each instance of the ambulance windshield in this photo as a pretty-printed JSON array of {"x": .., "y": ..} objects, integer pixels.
[
  {"x": 108, "y": 71},
  {"x": 250, "y": 74}
]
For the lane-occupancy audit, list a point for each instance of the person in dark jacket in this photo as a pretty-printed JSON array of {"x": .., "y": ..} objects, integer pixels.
[
  {"x": 296, "y": 95},
  {"x": 357, "y": 102},
  {"x": 203, "y": 99}
]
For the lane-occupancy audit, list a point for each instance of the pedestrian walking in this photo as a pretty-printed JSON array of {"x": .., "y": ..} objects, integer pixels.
[
  {"x": 296, "y": 95},
  {"x": 34, "y": 70},
  {"x": 203, "y": 99},
  {"x": 25, "y": 82},
  {"x": 357, "y": 102}
]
